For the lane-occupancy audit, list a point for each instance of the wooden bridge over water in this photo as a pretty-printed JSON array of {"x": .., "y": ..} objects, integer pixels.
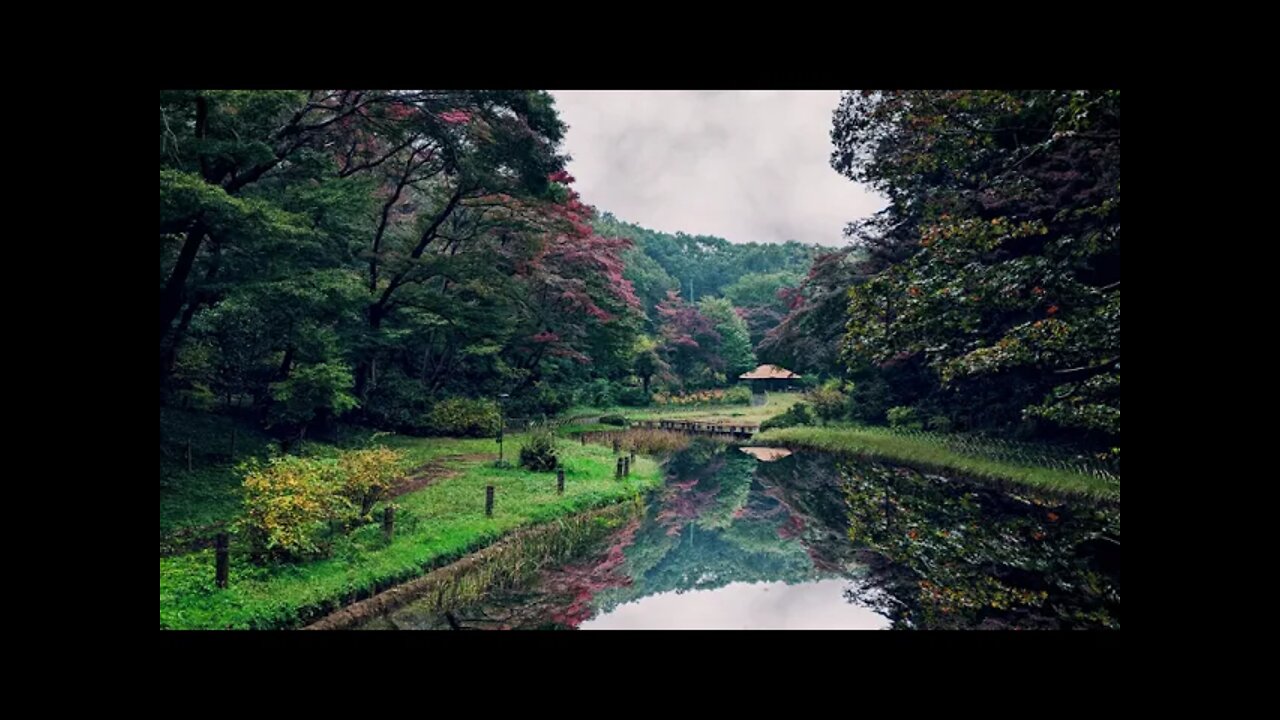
[{"x": 723, "y": 428}]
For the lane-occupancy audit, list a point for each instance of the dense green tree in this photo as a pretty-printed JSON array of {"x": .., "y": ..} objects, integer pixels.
[
  {"x": 735, "y": 341},
  {"x": 1001, "y": 272},
  {"x": 807, "y": 339},
  {"x": 700, "y": 265},
  {"x": 651, "y": 281},
  {"x": 648, "y": 364},
  {"x": 761, "y": 300},
  {"x": 398, "y": 247}
]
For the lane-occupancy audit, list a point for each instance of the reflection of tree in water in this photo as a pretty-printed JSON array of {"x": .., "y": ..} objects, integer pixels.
[
  {"x": 712, "y": 526},
  {"x": 942, "y": 554},
  {"x": 806, "y": 486},
  {"x": 948, "y": 554}
]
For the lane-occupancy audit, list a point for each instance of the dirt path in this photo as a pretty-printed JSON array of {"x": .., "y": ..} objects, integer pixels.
[{"x": 431, "y": 473}]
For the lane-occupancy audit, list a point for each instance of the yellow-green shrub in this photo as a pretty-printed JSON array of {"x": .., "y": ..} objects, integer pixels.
[
  {"x": 367, "y": 475},
  {"x": 288, "y": 503}
]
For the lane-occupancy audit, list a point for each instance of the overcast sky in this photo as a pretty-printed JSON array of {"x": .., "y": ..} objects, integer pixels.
[{"x": 743, "y": 165}]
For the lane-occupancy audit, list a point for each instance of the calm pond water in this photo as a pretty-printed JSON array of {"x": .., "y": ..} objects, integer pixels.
[{"x": 743, "y": 538}]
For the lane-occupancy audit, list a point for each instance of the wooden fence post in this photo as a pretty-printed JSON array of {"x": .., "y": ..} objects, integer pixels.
[
  {"x": 560, "y": 481},
  {"x": 626, "y": 466},
  {"x": 223, "y": 559},
  {"x": 618, "y": 474},
  {"x": 389, "y": 521},
  {"x": 488, "y": 500}
]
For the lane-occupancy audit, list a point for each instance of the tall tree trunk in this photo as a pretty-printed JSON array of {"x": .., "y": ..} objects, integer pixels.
[
  {"x": 172, "y": 294},
  {"x": 286, "y": 365},
  {"x": 169, "y": 350},
  {"x": 364, "y": 366}
]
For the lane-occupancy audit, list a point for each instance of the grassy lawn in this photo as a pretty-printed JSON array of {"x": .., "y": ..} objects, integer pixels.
[
  {"x": 199, "y": 502},
  {"x": 924, "y": 454},
  {"x": 435, "y": 524},
  {"x": 196, "y": 502},
  {"x": 778, "y": 403}
]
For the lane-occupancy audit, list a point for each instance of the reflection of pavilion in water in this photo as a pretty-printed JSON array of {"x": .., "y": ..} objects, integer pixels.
[{"x": 766, "y": 454}]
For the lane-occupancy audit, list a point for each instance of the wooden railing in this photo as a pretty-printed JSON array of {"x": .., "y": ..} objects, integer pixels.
[{"x": 694, "y": 426}]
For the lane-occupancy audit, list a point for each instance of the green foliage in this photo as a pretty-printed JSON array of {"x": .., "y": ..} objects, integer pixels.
[
  {"x": 400, "y": 403},
  {"x": 735, "y": 339},
  {"x": 303, "y": 232},
  {"x": 737, "y": 395},
  {"x": 310, "y": 391},
  {"x": 945, "y": 455},
  {"x": 997, "y": 265},
  {"x": 761, "y": 289},
  {"x": 463, "y": 417},
  {"x": 617, "y": 420},
  {"x": 648, "y": 364},
  {"x": 633, "y": 397},
  {"x": 543, "y": 399},
  {"x": 797, "y": 414},
  {"x": 599, "y": 393},
  {"x": 539, "y": 452},
  {"x": 904, "y": 418},
  {"x": 807, "y": 338},
  {"x": 711, "y": 264},
  {"x": 288, "y": 504},
  {"x": 939, "y": 423},
  {"x": 829, "y": 401},
  {"x": 450, "y": 522},
  {"x": 650, "y": 279}
]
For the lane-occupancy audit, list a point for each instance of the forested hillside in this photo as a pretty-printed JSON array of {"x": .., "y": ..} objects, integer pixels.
[{"x": 402, "y": 258}]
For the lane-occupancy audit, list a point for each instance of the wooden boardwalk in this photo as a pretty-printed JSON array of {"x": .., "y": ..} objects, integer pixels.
[{"x": 737, "y": 430}]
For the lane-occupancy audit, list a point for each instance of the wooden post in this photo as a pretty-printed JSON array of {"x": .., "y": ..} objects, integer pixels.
[
  {"x": 618, "y": 474},
  {"x": 488, "y": 500},
  {"x": 223, "y": 560},
  {"x": 389, "y": 521},
  {"x": 626, "y": 466},
  {"x": 188, "y": 454},
  {"x": 560, "y": 481},
  {"x": 633, "y": 456}
]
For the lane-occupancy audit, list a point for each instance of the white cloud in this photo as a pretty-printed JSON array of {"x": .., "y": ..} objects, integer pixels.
[{"x": 743, "y": 165}]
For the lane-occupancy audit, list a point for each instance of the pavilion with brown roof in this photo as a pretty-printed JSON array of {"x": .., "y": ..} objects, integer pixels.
[{"x": 769, "y": 377}]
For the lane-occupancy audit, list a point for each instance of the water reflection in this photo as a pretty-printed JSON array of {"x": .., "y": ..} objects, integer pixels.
[
  {"x": 766, "y": 454},
  {"x": 744, "y": 606},
  {"x": 735, "y": 540}
]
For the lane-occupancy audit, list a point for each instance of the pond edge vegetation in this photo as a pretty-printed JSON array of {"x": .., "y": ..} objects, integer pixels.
[
  {"x": 926, "y": 455},
  {"x": 189, "y": 599},
  {"x": 500, "y": 564}
]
